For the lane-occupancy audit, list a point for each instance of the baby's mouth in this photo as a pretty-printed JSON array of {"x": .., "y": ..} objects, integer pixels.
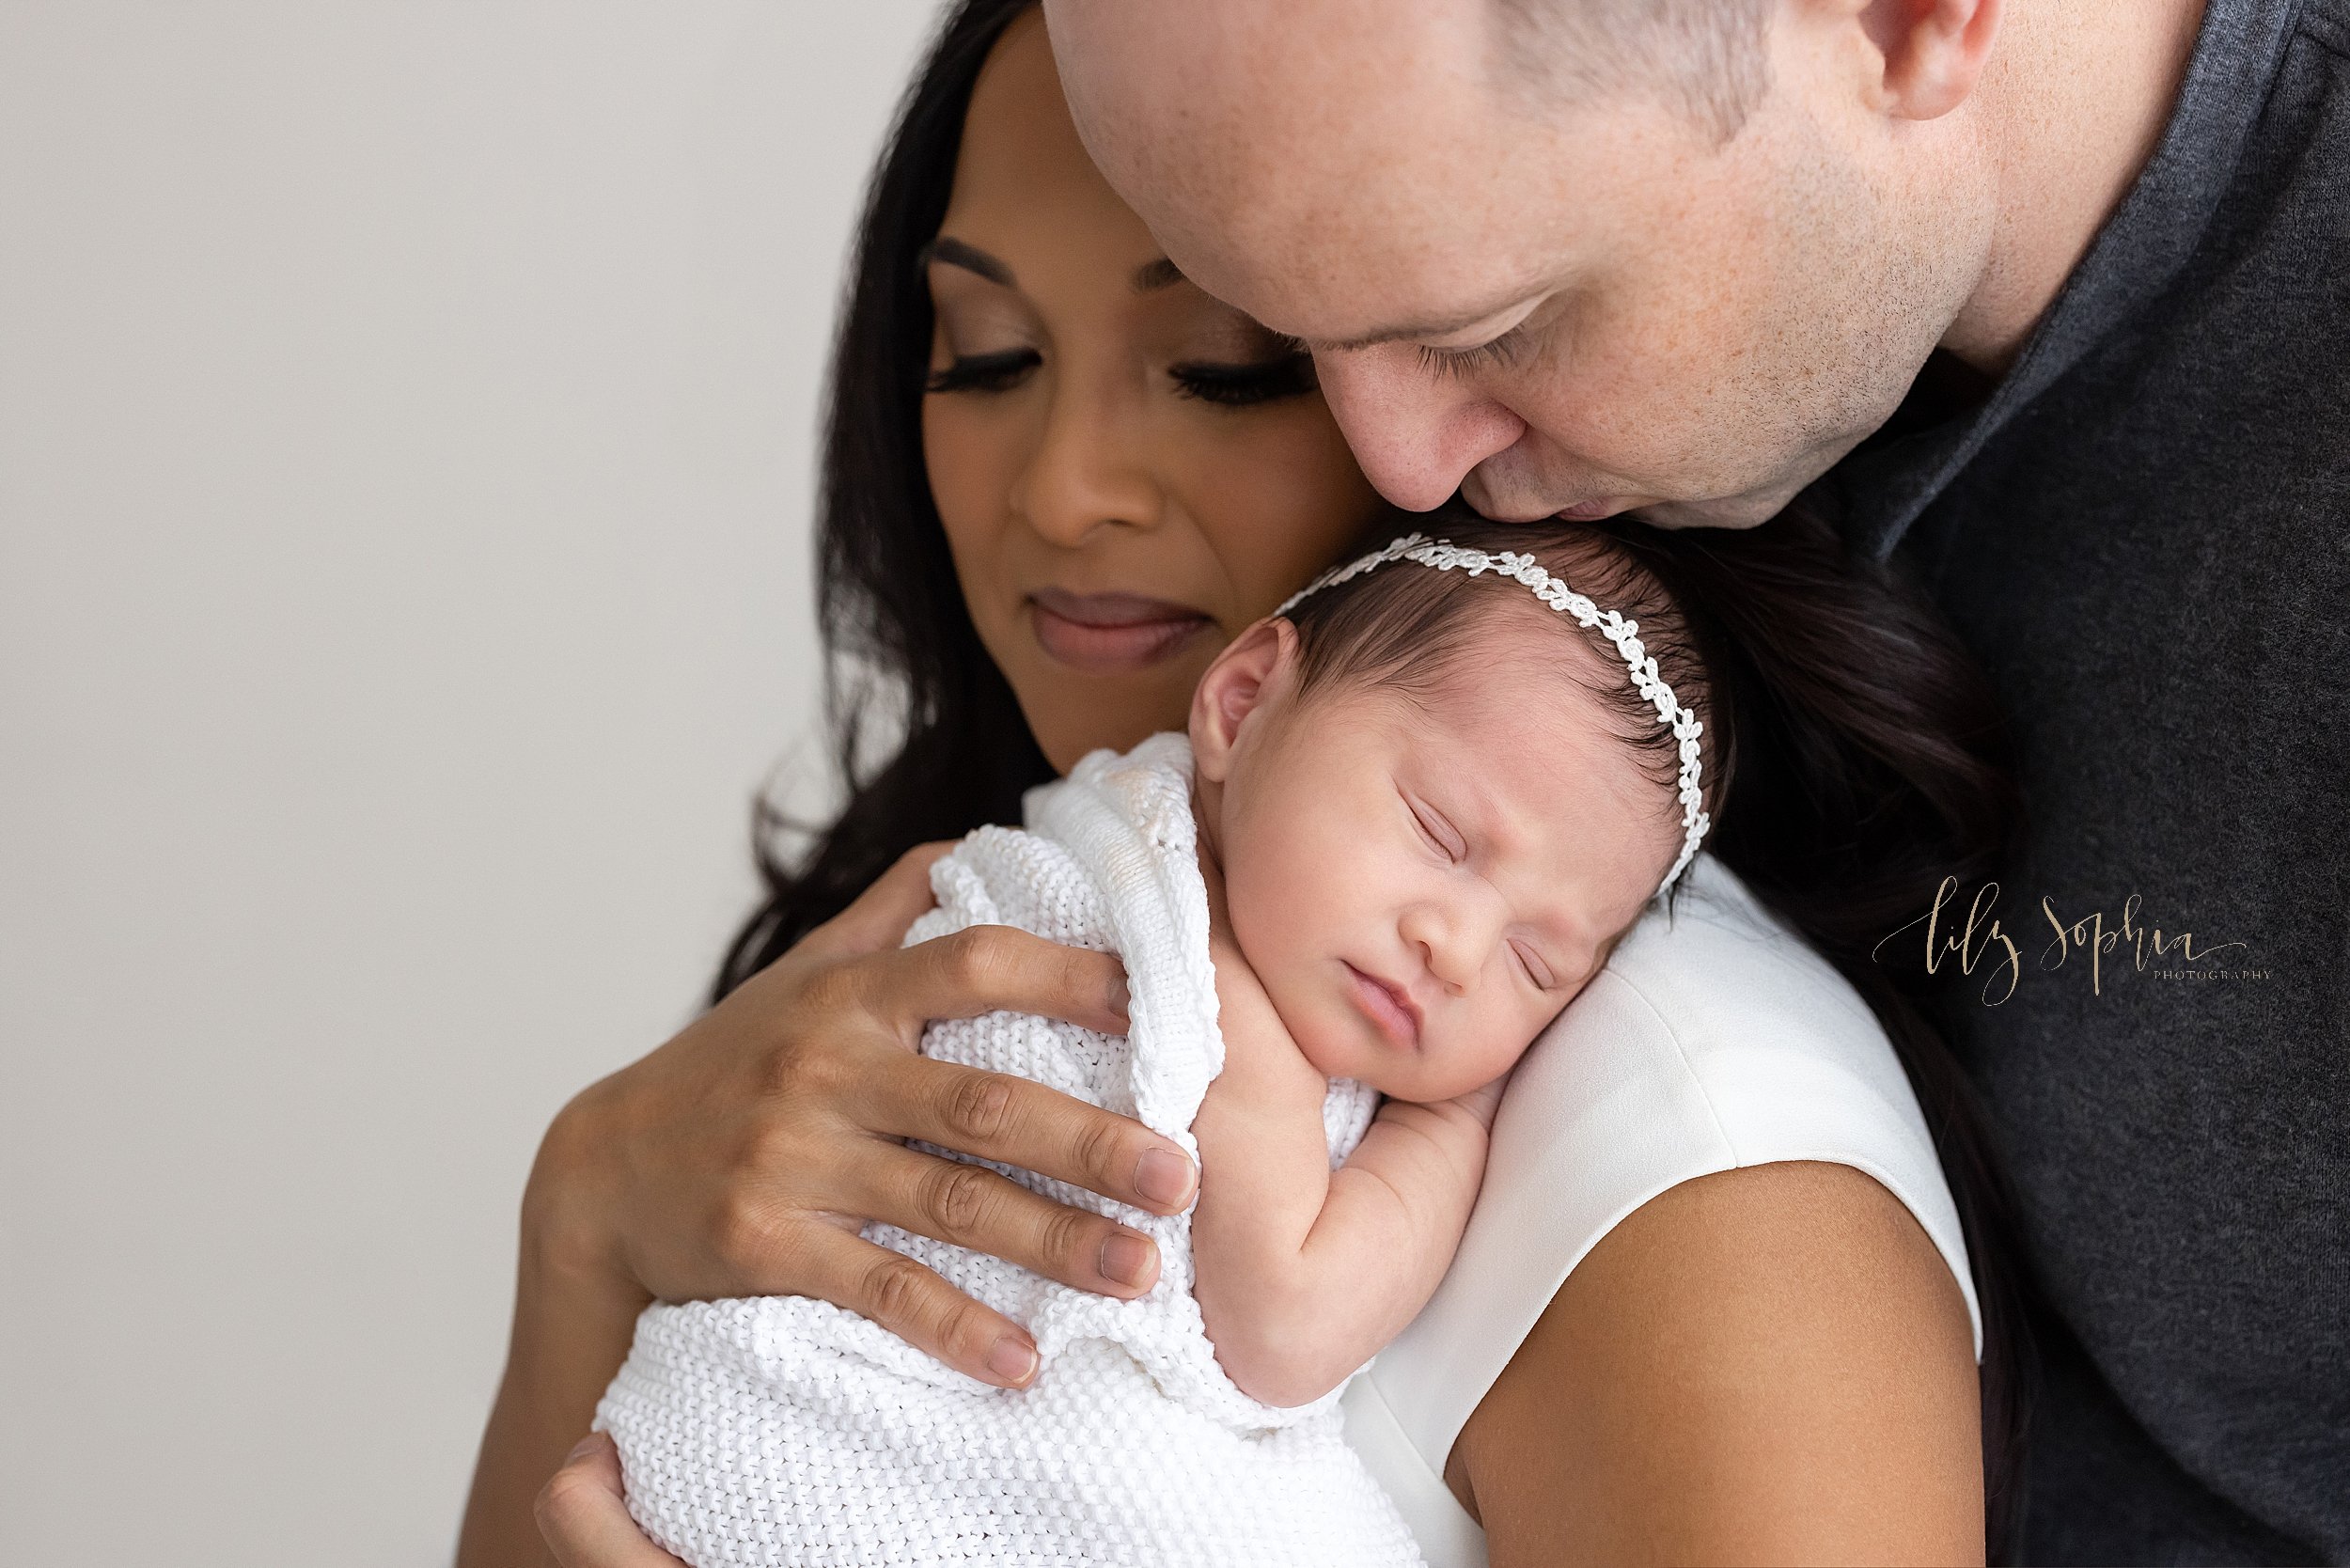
[
  {"x": 1387, "y": 1006},
  {"x": 1111, "y": 633}
]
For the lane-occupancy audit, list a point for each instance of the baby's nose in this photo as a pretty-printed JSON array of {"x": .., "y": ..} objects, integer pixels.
[{"x": 1448, "y": 945}]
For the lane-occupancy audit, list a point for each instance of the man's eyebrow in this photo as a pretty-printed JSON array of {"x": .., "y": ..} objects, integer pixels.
[
  {"x": 969, "y": 258},
  {"x": 1153, "y": 276}
]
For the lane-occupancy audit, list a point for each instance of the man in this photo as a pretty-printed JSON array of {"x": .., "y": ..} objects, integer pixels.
[{"x": 2051, "y": 298}]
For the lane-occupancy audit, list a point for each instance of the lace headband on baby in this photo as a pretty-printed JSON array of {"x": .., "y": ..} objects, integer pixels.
[{"x": 1444, "y": 555}]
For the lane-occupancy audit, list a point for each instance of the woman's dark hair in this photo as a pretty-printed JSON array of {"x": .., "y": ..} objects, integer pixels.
[
  {"x": 905, "y": 654},
  {"x": 1862, "y": 757},
  {"x": 1865, "y": 761}
]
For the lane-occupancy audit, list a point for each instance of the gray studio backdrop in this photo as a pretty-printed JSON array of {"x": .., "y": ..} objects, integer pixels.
[{"x": 406, "y": 417}]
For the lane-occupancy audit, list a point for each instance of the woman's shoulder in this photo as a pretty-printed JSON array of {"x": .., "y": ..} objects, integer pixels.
[
  {"x": 1761, "y": 1046},
  {"x": 1769, "y": 1361},
  {"x": 1713, "y": 1039}
]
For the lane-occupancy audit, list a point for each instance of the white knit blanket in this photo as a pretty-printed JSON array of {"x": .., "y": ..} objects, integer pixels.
[{"x": 784, "y": 1430}]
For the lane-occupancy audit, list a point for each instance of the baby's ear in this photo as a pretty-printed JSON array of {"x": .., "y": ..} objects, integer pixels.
[{"x": 1251, "y": 667}]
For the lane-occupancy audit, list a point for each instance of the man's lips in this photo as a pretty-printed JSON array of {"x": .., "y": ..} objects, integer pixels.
[
  {"x": 1387, "y": 1005},
  {"x": 1108, "y": 634}
]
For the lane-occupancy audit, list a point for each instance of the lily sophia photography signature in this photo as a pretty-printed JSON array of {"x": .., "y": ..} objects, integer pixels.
[{"x": 1981, "y": 939}]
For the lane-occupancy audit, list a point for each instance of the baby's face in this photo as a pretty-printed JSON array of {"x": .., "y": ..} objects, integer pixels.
[{"x": 1421, "y": 886}]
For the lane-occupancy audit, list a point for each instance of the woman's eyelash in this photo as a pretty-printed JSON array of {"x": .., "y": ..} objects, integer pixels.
[
  {"x": 1231, "y": 385},
  {"x": 1503, "y": 350},
  {"x": 1265, "y": 380},
  {"x": 984, "y": 372}
]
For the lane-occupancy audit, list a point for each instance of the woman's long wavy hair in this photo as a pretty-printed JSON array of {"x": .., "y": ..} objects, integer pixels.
[{"x": 1869, "y": 760}]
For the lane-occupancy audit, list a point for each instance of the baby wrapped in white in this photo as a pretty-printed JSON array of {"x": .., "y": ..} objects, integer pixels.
[{"x": 785, "y": 1430}]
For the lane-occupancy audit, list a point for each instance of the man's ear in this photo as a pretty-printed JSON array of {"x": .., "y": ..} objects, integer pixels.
[
  {"x": 1250, "y": 668},
  {"x": 1931, "y": 52}
]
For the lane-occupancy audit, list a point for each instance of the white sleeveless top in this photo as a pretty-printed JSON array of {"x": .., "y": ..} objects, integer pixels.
[{"x": 1714, "y": 1038}]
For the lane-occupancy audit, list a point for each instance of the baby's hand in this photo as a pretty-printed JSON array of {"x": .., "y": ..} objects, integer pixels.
[{"x": 1483, "y": 1101}]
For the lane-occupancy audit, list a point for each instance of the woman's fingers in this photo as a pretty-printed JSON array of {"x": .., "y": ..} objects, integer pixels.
[
  {"x": 921, "y": 1308},
  {"x": 1020, "y": 1122},
  {"x": 583, "y": 1519},
  {"x": 882, "y": 913},
  {"x": 972, "y": 1206},
  {"x": 987, "y": 968}
]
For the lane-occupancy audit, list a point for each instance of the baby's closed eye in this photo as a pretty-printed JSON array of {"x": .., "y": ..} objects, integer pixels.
[
  {"x": 1531, "y": 963},
  {"x": 1440, "y": 833}
]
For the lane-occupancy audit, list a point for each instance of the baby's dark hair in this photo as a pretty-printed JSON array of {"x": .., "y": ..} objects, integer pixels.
[
  {"x": 1410, "y": 628},
  {"x": 1852, "y": 757}
]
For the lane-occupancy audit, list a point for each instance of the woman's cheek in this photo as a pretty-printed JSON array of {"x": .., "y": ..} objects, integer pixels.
[
  {"x": 970, "y": 466},
  {"x": 969, "y": 471},
  {"x": 1278, "y": 495}
]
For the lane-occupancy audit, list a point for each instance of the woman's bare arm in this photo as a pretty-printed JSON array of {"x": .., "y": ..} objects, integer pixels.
[
  {"x": 740, "y": 1157},
  {"x": 1770, "y": 1364}
]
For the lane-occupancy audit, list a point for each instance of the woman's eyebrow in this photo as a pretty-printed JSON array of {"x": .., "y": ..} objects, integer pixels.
[
  {"x": 1153, "y": 276},
  {"x": 969, "y": 258}
]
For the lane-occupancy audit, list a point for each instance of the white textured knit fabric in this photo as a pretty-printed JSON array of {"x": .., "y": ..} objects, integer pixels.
[{"x": 783, "y": 1430}]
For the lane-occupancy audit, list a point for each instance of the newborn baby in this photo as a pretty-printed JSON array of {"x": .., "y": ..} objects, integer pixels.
[{"x": 1416, "y": 809}]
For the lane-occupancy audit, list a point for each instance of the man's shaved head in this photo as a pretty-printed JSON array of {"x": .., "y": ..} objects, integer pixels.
[
  {"x": 1708, "y": 55},
  {"x": 1571, "y": 257}
]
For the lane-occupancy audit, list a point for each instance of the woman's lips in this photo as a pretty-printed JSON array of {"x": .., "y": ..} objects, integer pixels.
[
  {"x": 1390, "y": 1008},
  {"x": 1111, "y": 633}
]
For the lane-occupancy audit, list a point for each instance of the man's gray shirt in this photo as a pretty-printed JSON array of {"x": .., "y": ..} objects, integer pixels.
[{"x": 2144, "y": 535}]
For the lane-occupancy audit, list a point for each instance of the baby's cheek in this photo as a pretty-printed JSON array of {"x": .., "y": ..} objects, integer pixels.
[{"x": 1504, "y": 1035}]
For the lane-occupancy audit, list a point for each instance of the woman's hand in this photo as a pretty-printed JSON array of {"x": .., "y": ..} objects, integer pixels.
[{"x": 741, "y": 1158}]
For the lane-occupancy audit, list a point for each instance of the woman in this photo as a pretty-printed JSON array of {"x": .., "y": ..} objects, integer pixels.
[{"x": 1104, "y": 477}]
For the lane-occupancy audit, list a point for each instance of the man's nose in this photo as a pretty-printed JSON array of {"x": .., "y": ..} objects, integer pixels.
[
  {"x": 1415, "y": 435},
  {"x": 1088, "y": 469}
]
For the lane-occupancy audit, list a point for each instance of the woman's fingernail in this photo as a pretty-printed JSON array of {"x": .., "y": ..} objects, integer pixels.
[
  {"x": 1119, "y": 996},
  {"x": 1163, "y": 1177},
  {"x": 585, "y": 1447},
  {"x": 1013, "y": 1360},
  {"x": 1125, "y": 1259}
]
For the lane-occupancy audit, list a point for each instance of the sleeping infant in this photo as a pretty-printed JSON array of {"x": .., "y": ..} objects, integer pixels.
[{"x": 1415, "y": 810}]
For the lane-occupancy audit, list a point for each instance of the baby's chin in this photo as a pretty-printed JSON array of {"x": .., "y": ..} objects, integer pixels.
[
  {"x": 1397, "y": 1075},
  {"x": 1339, "y": 1052}
]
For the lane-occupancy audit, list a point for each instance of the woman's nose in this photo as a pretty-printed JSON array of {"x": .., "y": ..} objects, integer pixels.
[{"x": 1087, "y": 471}]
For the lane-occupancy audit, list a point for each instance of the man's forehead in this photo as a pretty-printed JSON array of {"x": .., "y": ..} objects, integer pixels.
[
  {"x": 1347, "y": 258},
  {"x": 1381, "y": 188}
]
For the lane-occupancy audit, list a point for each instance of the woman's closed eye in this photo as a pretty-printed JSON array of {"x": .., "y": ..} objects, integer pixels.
[
  {"x": 1238, "y": 385},
  {"x": 999, "y": 371}
]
